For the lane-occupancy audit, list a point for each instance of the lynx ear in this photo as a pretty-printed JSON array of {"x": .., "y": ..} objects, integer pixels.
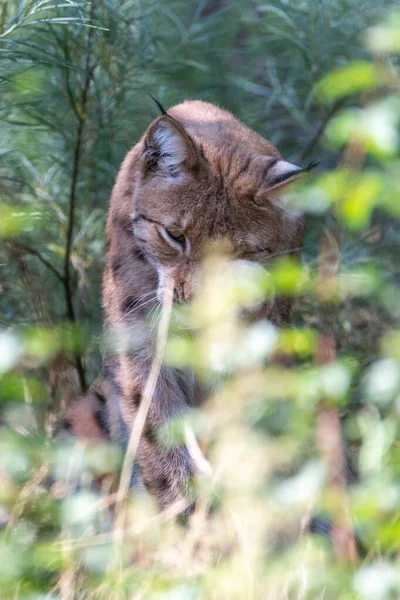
[
  {"x": 167, "y": 148},
  {"x": 282, "y": 173}
]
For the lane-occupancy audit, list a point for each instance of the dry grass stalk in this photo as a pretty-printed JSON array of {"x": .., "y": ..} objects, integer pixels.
[
  {"x": 140, "y": 420},
  {"x": 329, "y": 435}
]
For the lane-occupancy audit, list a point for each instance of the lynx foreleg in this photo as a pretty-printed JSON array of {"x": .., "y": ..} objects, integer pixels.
[{"x": 165, "y": 463}]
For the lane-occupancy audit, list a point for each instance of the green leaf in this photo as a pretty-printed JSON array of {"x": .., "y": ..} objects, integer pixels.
[
  {"x": 385, "y": 38},
  {"x": 356, "y": 77},
  {"x": 374, "y": 129},
  {"x": 362, "y": 197},
  {"x": 15, "y": 220}
]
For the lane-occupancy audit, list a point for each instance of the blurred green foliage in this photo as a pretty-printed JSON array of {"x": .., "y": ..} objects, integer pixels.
[{"x": 319, "y": 79}]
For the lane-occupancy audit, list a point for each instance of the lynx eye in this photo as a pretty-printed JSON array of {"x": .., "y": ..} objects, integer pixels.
[
  {"x": 259, "y": 251},
  {"x": 177, "y": 238}
]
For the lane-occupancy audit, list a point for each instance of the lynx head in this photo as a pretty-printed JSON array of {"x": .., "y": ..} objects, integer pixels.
[{"x": 205, "y": 176}]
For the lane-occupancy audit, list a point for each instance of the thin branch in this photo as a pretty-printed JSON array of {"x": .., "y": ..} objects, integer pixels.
[
  {"x": 66, "y": 72},
  {"x": 321, "y": 128},
  {"x": 328, "y": 428},
  {"x": 73, "y": 193},
  {"x": 28, "y": 250},
  {"x": 3, "y": 16}
]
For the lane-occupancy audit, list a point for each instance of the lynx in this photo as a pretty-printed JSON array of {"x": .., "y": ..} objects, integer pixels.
[{"x": 198, "y": 174}]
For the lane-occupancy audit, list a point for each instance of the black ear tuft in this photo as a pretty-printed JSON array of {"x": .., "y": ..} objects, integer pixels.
[
  {"x": 313, "y": 164},
  {"x": 160, "y": 106},
  {"x": 282, "y": 172}
]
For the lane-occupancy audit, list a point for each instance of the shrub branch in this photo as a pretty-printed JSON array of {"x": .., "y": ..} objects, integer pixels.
[{"x": 77, "y": 153}]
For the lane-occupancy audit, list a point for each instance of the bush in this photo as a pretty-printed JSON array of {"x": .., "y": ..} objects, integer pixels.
[{"x": 310, "y": 446}]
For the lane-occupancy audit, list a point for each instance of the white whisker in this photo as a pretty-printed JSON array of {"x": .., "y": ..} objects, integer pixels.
[
  {"x": 135, "y": 308},
  {"x": 283, "y": 252},
  {"x": 129, "y": 312}
]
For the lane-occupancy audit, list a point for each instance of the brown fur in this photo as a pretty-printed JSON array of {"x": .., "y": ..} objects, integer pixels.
[
  {"x": 84, "y": 418},
  {"x": 197, "y": 172}
]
